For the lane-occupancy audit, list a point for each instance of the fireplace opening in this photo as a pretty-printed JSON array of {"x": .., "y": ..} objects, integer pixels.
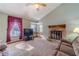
[
  {"x": 56, "y": 34},
  {"x": 57, "y": 31}
]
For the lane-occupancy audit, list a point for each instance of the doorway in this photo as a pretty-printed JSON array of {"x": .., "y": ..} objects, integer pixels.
[{"x": 37, "y": 28}]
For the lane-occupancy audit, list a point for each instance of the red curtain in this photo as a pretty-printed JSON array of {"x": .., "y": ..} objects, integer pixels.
[{"x": 11, "y": 20}]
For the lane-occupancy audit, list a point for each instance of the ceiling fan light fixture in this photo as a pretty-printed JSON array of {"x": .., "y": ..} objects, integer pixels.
[{"x": 39, "y": 5}]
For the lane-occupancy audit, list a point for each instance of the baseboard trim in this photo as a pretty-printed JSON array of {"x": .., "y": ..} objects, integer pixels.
[{"x": 15, "y": 41}]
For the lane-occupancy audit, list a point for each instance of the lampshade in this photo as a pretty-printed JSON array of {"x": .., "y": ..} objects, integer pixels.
[{"x": 76, "y": 30}]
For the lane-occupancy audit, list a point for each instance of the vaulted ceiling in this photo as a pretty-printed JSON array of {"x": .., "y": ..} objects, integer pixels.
[{"x": 26, "y": 10}]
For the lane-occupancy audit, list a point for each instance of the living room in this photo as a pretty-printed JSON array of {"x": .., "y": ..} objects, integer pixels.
[{"x": 51, "y": 24}]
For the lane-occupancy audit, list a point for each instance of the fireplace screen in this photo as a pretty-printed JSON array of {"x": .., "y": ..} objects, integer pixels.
[{"x": 56, "y": 34}]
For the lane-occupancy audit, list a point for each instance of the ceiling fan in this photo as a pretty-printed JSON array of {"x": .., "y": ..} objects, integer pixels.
[{"x": 37, "y": 5}]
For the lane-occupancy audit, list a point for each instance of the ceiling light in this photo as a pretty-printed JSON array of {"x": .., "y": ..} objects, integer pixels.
[{"x": 39, "y": 5}]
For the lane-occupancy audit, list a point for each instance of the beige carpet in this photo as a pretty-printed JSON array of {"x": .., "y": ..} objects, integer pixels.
[{"x": 36, "y": 47}]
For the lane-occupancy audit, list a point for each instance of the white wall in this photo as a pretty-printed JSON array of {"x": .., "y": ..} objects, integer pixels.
[
  {"x": 26, "y": 23},
  {"x": 64, "y": 14},
  {"x": 3, "y": 26}
]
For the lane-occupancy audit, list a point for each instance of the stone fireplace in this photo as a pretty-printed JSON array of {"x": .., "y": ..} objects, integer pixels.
[{"x": 57, "y": 31}]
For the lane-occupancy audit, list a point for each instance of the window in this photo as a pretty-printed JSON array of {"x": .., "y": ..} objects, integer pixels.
[
  {"x": 15, "y": 30},
  {"x": 33, "y": 26},
  {"x": 41, "y": 27},
  {"x": 37, "y": 27}
]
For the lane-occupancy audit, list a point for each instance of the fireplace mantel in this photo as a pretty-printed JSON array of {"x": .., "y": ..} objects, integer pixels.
[{"x": 58, "y": 26}]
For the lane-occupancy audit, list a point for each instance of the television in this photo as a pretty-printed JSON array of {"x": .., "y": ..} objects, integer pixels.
[{"x": 28, "y": 31}]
